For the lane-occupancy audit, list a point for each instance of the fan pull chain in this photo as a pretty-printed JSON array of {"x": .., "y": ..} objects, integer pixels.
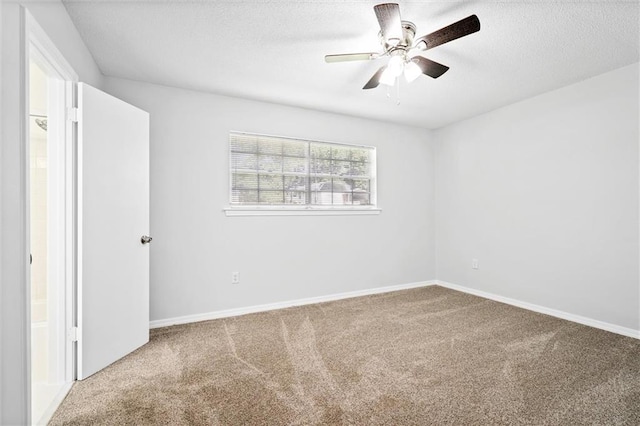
[{"x": 397, "y": 86}]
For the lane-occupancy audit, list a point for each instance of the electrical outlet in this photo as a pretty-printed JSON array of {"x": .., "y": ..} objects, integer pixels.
[
  {"x": 235, "y": 278},
  {"x": 474, "y": 263}
]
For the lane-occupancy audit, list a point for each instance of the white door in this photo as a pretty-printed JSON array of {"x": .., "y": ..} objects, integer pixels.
[{"x": 113, "y": 215}]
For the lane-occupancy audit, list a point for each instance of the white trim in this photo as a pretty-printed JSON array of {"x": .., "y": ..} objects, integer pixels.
[
  {"x": 280, "y": 305},
  {"x": 309, "y": 211},
  {"x": 629, "y": 332},
  {"x": 38, "y": 37},
  {"x": 339, "y": 296},
  {"x": 62, "y": 77},
  {"x": 55, "y": 403}
]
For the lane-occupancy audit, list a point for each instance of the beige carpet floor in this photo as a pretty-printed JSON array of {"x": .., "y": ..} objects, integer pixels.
[{"x": 427, "y": 356}]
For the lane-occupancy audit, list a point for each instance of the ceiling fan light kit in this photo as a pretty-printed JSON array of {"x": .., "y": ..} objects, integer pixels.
[
  {"x": 411, "y": 71},
  {"x": 397, "y": 40}
]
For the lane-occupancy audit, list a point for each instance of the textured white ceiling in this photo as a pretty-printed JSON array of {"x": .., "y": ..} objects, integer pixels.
[{"x": 274, "y": 50}]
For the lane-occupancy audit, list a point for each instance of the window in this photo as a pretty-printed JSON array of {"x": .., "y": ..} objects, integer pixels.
[{"x": 299, "y": 174}]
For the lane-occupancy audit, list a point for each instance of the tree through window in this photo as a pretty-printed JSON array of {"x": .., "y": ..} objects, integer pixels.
[{"x": 268, "y": 170}]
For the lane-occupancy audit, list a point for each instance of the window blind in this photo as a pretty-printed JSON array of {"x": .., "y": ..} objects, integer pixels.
[{"x": 269, "y": 170}]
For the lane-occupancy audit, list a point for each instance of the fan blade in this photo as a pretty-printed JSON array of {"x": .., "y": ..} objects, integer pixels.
[
  {"x": 463, "y": 27},
  {"x": 375, "y": 80},
  {"x": 429, "y": 67},
  {"x": 350, "y": 57},
  {"x": 388, "y": 15}
]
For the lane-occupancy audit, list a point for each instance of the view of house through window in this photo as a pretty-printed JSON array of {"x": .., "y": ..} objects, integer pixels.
[{"x": 267, "y": 170}]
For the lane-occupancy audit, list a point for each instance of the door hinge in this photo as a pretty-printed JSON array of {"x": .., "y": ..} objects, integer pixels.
[
  {"x": 72, "y": 114},
  {"x": 72, "y": 334}
]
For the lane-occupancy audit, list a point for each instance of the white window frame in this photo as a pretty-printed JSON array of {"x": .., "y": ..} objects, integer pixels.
[{"x": 307, "y": 209}]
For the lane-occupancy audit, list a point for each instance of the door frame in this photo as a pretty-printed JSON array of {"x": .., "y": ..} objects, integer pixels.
[{"x": 39, "y": 48}]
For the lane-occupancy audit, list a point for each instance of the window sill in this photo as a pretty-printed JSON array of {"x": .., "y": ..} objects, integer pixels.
[{"x": 307, "y": 211}]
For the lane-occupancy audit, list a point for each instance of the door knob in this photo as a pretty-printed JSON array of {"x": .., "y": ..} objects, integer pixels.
[{"x": 145, "y": 239}]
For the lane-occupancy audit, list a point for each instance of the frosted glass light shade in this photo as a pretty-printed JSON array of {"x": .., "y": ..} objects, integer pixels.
[
  {"x": 411, "y": 71},
  {"x": 387, "y": 77},
  {"x": 396, "y": 65}
]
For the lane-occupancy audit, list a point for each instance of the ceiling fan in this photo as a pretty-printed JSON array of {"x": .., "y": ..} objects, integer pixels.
[{"x": 397, "y": 39}]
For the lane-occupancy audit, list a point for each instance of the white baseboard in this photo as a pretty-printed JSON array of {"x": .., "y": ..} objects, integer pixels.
[
  {"x": 55, "y": 403},
  {"x": 279, "y": 305},
  {"x": 630, "y": 332},
  {"x": 338, "y": 296}
]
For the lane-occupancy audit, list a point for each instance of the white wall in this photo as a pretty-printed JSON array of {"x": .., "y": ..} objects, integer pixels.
[
  {"x": 545, "y": 194},
  {"x": 53, "y": 18},
  {"x": 1, "y": 209},
  {"x": 196, "y": 247}
]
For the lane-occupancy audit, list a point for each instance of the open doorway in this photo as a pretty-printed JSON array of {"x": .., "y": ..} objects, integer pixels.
[{"x": 51, "y": 235}]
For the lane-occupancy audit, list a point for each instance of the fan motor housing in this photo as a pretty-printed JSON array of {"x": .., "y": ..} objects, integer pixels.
[{"x": 408, "y": 33}]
